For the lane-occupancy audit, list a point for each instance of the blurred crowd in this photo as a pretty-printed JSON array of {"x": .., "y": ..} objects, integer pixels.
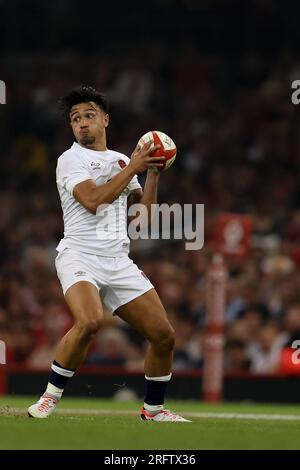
[{"x": 238, "y": 139}]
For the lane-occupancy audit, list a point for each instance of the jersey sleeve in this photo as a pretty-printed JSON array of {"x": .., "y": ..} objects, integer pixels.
[
  {"x": 71, "y": 171},
  {"x": 134, "y": 182}
]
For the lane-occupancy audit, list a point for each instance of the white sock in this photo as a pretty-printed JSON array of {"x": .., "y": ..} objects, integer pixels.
[
  {"x": 163, "y": 378},
  {"x": 153, "y": 409},
  {"x": 52, "y": 390}
]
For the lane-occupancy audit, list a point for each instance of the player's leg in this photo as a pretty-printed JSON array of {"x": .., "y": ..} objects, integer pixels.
[
  {"x": 147, "y": 315},
  {"x": 85, "y": 305}
]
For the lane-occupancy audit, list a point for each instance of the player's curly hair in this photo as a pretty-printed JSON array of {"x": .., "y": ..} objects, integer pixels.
[{"x": 82, "y": 94}]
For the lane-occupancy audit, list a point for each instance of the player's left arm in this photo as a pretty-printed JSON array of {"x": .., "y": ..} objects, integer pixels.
[{"x": 146, "y": 197}]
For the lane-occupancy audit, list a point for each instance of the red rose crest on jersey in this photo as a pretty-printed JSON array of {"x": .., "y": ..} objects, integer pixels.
[{"x": 122, "y": 163}]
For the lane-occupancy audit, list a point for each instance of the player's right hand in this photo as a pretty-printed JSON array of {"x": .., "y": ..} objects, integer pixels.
[{"x": 142, "y": 158}]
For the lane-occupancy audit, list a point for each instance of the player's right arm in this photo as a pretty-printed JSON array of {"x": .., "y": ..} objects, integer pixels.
[{"x": 92, "y": 196}]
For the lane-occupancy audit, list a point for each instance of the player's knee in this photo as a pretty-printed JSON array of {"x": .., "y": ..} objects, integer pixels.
[
  {"x": 89, "y": 326},
  {"x": 165, "y": 339},
  {"x": 168, "y": 340}
]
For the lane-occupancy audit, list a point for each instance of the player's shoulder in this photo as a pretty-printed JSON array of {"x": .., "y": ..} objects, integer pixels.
[
  {"x": 68, "y": 155},
  {"x": 119, "y": 156}
]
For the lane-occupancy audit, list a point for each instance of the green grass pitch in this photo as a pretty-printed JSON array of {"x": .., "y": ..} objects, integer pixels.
[{"x": 105, "y": 424}]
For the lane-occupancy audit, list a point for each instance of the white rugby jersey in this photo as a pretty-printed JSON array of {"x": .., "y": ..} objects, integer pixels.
[{"x": 103, "y": 234}]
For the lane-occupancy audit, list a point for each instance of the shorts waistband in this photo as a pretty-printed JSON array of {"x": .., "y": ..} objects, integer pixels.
[{"x": 121, "y": 255}]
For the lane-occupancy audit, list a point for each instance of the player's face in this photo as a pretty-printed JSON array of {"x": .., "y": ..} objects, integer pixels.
[{"x": 88, "y": 122}]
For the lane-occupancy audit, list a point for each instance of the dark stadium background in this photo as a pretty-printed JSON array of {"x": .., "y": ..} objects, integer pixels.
[{"x": 216, "y": 76}]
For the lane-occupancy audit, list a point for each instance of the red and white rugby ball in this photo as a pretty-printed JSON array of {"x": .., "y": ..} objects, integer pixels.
[{"x": 167, "y": 147}]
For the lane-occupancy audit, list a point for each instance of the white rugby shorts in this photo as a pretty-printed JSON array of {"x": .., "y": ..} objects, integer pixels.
[{"x": 118, "y": 279}]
